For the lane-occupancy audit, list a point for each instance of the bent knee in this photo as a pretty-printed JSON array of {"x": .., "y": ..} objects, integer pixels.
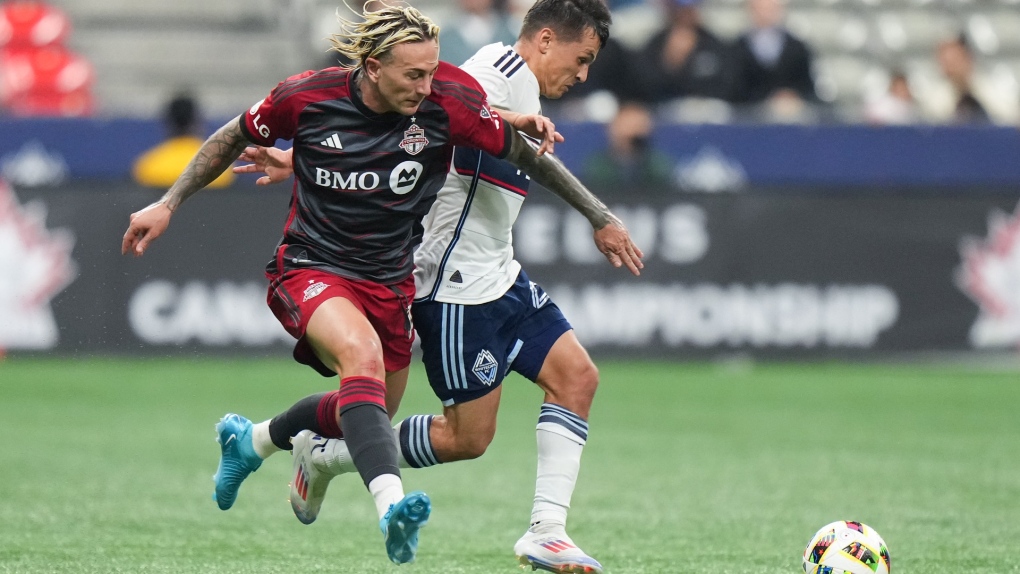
[
  {"x": 581, "y": 383},
  {"x": 574, "y": 386},
  {"x": 588, "y": 377},
  {"x": 363, "y": 358},
  {"x": 469, "y": 448}
]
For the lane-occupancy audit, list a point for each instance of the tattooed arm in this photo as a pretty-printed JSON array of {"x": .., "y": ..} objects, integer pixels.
[
  {"x": 215, "y": 155},
  {"x": 611, "y": 237}
]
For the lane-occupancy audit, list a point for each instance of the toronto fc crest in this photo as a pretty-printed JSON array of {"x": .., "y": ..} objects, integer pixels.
[{"x": 414, "y": 140}]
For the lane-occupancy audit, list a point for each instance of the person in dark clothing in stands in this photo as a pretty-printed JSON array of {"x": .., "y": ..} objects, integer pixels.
[
  {"x": 957, "y": 63},
  {"x": 771, "y": 62},
  {"x": 630, "y": 161},
  {"x": 685, "y": 59}
]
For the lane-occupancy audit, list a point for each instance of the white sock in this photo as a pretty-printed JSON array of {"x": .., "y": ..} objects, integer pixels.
[
  {"x": 561, "y": 436},
  {"x": 387, "y": 489},
  {"x": 261, "y": 441},
  {"x": 335, "y": 459}
]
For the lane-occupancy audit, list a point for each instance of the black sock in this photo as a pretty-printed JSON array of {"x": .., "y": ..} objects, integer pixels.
[
  {"x": 301, "y": 416},
  {"x": 370, "y": 440}
]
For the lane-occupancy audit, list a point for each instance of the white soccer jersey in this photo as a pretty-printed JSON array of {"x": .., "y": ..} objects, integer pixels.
[{"x": 466, "y": 255}]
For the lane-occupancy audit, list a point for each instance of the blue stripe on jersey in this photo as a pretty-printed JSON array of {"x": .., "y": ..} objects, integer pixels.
[
  {"x": 516, "y": 58},
  {"x": 515, "y": 68},
  {"x": 460, "y": 157},
  {"x": 503, "y": 57},
  {"x": 556, "y": 414},
  {"x": 472, "y": 162}
]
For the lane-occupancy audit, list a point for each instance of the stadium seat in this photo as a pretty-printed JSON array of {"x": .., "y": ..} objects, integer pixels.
[
  {"x": 830, "y": 31},
  {"x": 728, "y": 21},
  {"x": 995, "y": 32},
  {"x": 45, "y": 81},
  {"x": 31, "y": 24},
  {"x": 79, "y": 103},
  {"x": 913, "y": 31},
  {"x": 841, "y": 77}
]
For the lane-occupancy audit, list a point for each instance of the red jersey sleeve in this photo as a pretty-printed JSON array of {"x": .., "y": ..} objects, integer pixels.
[
  {"x": 472, "y": 122},
  {"x": 275, "y": 117}
]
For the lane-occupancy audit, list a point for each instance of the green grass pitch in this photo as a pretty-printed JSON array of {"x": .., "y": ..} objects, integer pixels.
[{"x": 694, "y": 468}]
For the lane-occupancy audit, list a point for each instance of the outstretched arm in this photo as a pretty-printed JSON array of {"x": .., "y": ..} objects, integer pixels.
[
  {"x": 611, "y": 237},
  {"x": 218, "y": 152}
]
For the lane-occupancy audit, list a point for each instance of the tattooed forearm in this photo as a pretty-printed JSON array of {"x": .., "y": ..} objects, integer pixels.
[
  {"x": 554, "y": 176},
  {"x": 216, "y": 154}
]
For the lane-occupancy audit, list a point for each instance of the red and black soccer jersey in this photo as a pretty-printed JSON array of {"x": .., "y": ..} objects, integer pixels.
[{"x": 362, "y": 180}]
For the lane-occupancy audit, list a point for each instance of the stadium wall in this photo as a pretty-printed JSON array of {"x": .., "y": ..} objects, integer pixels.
[
  {"x": 806, "y": 272},
  {"x": 708, "y": 158}
]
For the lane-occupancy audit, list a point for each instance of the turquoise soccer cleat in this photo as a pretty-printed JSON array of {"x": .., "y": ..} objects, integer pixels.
[
  {"x": 237, "y": 458},
  {"x": 400, "y": 526}
]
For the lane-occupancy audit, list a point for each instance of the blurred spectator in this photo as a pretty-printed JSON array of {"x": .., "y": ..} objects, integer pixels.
[
  {"x": 630, "y": 161},
  {"x": 161, "y": 165},
  {"x": 957, "y": 64},
  {"x": 685, "y": 59},
  {"x": 770, "y": 61},
  {"x": 895, "y": 106},
  {"x": 477, "y": 23}
]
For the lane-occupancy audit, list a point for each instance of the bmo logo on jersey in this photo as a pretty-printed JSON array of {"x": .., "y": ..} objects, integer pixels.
[
  {"x": 359, "y": 181},
  {"x": 404, "y": 176}
]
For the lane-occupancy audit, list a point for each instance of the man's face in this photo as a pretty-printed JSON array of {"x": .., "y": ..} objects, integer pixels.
[
  {"x": 765, "y": 13},
  {"x": 565, "y": 63},
  {"x": 404, "y": 77},
  {"x": 955, "y": 61}
]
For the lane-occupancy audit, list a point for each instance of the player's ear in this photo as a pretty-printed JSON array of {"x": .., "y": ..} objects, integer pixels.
[
  {"x": 546, "y": 36},
  {"x": 372, "y": 67}
]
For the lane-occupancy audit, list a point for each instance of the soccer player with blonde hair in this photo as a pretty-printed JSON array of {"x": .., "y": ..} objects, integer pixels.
[{"x": 372, "y": 146}]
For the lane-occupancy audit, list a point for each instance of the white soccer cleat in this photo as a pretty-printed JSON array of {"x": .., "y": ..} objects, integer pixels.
[
  {"x": 554, "y": 551},
  {"x": 309, "y": 483}
]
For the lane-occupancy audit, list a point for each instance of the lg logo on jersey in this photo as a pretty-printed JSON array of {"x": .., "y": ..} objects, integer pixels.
[
  {"x": 262, "y": 129},
  {"x": 402, "y": 179}
]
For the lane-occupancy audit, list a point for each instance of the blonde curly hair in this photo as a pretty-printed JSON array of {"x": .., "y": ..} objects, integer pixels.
[{"x": 380, "y": 31}]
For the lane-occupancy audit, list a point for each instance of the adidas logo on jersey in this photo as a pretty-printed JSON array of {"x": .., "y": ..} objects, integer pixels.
[
  {"x": 456, "y": 277},
  {"x": 332, "y": 141}
]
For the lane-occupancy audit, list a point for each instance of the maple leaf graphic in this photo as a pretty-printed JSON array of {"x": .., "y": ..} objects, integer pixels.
[
  {"x": 37, "y": 265},
  {"x": 990, "y": 275}
]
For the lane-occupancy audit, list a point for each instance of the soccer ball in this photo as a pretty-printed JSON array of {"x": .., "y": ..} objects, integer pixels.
[{"x": 846, "y": 547}]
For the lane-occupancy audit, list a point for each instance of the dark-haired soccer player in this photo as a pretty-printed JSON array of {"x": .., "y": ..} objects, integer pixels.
[{"x": 372, "y": 146}]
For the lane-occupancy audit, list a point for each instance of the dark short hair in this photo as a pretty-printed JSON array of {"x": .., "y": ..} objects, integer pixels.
[
  {"x": 181, "y": 114},
  {"x": 569, "y": 19}
]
